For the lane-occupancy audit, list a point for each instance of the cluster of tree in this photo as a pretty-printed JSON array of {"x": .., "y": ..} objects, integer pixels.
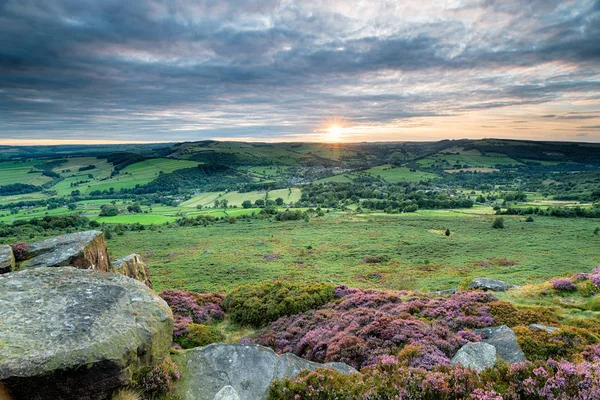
[
  {"x": 121, "y": 160},
  {"x": 45, "y": 226},
  {"x": 563, "y": 212},
  {"x": 260, "y": 203},
  {"x": 18, "y": 188},
  {"x": 87, "y": 168},
  {"x": 109, "y": 210}
]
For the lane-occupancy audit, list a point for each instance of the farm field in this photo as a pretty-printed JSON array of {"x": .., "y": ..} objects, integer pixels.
[
  {"x": 399, "y": 174},
  {"x": 415, "y": 252},
  {"x": 479, "y": 161}
]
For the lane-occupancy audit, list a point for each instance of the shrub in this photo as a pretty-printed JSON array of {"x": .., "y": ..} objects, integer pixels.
[
  {"x": 562, "y": 344},
  {"x": 199, "y": 335},
  {"x": 160, "y": 379},
  {"x": 580, "y": 276},
  {"x": 563, "y": 285},
  {"x": 258, "y": 304},
  {"x": 447, "y": 233},
  {"x": 595, "y": 279},
  {"x": 126, "y": 394},
  {"x": 535, "y": 381},
  {"x": 505, "y": 313},
  {"x": 232, "y": 220},
  {"x": 20, "y": 251},
  {"x": 529, "y": 219},
  {"x": 498, "y": 223},
  {"x": 367, "y": 325},
  {"x": 199, "y": 308}
]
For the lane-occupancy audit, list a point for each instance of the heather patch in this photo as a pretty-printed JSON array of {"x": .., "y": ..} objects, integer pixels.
[{"x": 366, "y": 325}]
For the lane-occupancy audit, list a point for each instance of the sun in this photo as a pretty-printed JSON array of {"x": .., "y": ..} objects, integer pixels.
[{"x": 334, "y": 133}]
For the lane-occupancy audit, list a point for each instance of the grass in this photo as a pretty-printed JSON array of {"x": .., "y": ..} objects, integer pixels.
[
  {"x": 471, "y": 160},
  {"x": 399, "y": 174},
  {"x": 222, "y": 256}
]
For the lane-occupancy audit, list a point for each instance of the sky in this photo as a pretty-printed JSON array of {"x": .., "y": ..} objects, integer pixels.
[{"x": 98, "y": 71}]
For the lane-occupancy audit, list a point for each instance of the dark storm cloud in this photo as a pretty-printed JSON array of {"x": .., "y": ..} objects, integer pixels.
[{"x": 264, "y": 69}]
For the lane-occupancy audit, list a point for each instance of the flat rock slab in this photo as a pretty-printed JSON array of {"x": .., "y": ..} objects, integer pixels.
[
  {"x": 67, "y": 333},
  {"x": 7, "y": 259},
  {"x": 133, "y": 267},
  {"x": 490, "y": 284},
  {"x": 83, "y": 250},
  {"x": 541, "y": 327},
  {"x": 248, "y": 369},
  {"x": 505, "y": 341},
  {"x": 478, "y": 356},
  {"x": 227, "y": 393}
]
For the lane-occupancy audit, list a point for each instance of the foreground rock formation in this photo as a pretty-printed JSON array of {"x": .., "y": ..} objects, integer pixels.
[
  {"x": 248, "y": 369},
  {"x": 505, "y": 341},
  {"x": 133, "y": 267},
  {"x": 477, "y": 355},
  {"x": 68, "y": 333},
  {"x": 7, "y": 259},
  {"x": 83, "y": 250}
]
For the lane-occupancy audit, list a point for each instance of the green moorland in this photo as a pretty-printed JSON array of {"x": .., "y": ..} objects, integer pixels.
[{"x": 413, "y": 251}]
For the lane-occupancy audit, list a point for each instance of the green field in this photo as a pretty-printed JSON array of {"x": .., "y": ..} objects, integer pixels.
[
  {"x": 470, "y": 160},
  {"x": 222, "y": 256},
  {"x": 393, "y": 174}
]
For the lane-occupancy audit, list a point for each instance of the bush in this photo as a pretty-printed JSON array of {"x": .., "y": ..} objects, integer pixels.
[
  {"x": 126, "y": 394},
  {"x": 529, "y": 219},
  {"x": 160, "y": 379},
  {"x": 564, "y": 343},
  {"x": 258, "y": 304},
  {"x": 20, "y": 251},
  {"x": 366, "y": 326},
  {"x": 199, "y": 335},
  {"x": 563, "y": 285},
  {"x": 498, "y": 223},
  {"x": 535, "y": 381},
  {"x": 232, "y": 220},
  {"x": 505, "y": 313},
  {"x": 595, "y": 279}
]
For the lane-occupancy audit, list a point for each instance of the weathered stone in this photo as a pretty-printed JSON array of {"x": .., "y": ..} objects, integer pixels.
[
  {"x": 249, "y": 369},
  {"x": 490, "y": 284},
  {"x": 505, "y": 341},
  {"x": 133, "y": 267},
  {"x": 83, "y": 250},
  {"x": 477, "y": 355},
  {"x": 67, "y": 333},
  {"x": 446, "y": 292},
  {"x": 540, "y": 327},
  {"x": 227, "y": 393},
  {"x": 7, "y": 259}
]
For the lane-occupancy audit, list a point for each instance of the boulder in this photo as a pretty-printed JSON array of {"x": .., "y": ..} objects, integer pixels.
[
  {"x": 83, "y": 250},
  {"x": 540, "y": 327},
  {"x": 445, "y": 292},
  {"x": 67, "y": 333},
  {"x": 7, "y": 259},
  {"x": 490, "y": 284},
  {"x": 249, "y": 369},
  {"x": 477, "y": 355},
  {"x": 133, "y": 267},
  {"x": 227, "y": 393},
  {"x": 505, "y": 341}
]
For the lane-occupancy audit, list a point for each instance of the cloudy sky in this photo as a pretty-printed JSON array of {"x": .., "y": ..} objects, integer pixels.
[{"x": 288, "y": 70}]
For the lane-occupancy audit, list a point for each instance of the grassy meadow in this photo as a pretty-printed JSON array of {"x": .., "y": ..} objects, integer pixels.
[{"x": 369, "y": 251}]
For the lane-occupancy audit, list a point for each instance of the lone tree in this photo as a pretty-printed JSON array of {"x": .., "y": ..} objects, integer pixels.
[
  {"x": 498, "y": 223},
  {"x": 447, "y": 232}
]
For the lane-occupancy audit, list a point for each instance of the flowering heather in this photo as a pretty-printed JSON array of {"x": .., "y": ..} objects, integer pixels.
[
  {"x": 20, "y": 251},
  {"x": 365, "y": 325},
  {"x": 596, "y": 270},
  {"x": 200, "y": 308},
  {"x": 592, "y": 353},
  {"x": 580, "y": 276},
  {"x": 595, "y": 280},
  {"x": 161, "y": 378},
  {"x": 389, "y": 380},
  {"x": 564, "y": 285}
]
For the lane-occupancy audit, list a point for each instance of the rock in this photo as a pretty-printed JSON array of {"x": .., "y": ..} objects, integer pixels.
[
  {"x": 7, "y": 259},
  {"x": 133, "y": 267},
  {"x": 490, "y": 284},
  {"x": 83, "y": 250},
  {"x": 446, "y": 292},
  {"x": 540, "y": 327},
  {"x": 227, "y": 393},
  {"x": 249, "y": 369},
  {"x": 505, "y": 341},
  {"x": 67, "y": 333},
  {"x": 476, "y": 355}
]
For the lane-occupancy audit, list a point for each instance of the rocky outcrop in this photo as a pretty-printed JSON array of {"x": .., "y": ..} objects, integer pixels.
[
  {"x": 477, "y": 355},
  {"x": 248, "y": 369},
  {"x": 505, "y": 341},
  {"x": 83, "y": 250},
  {"x": 67, "y": 333},
  {"x": 133, "y": 267},
  {"x": 7, "y": 259},
  {"x": 546, "y": 328},
  {"x": 490, "y": 284},
  {"x": 227, "y": 393}
]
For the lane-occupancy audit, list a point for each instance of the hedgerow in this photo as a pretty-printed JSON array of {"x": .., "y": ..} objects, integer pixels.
[{"x": 259, "y": 304}]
